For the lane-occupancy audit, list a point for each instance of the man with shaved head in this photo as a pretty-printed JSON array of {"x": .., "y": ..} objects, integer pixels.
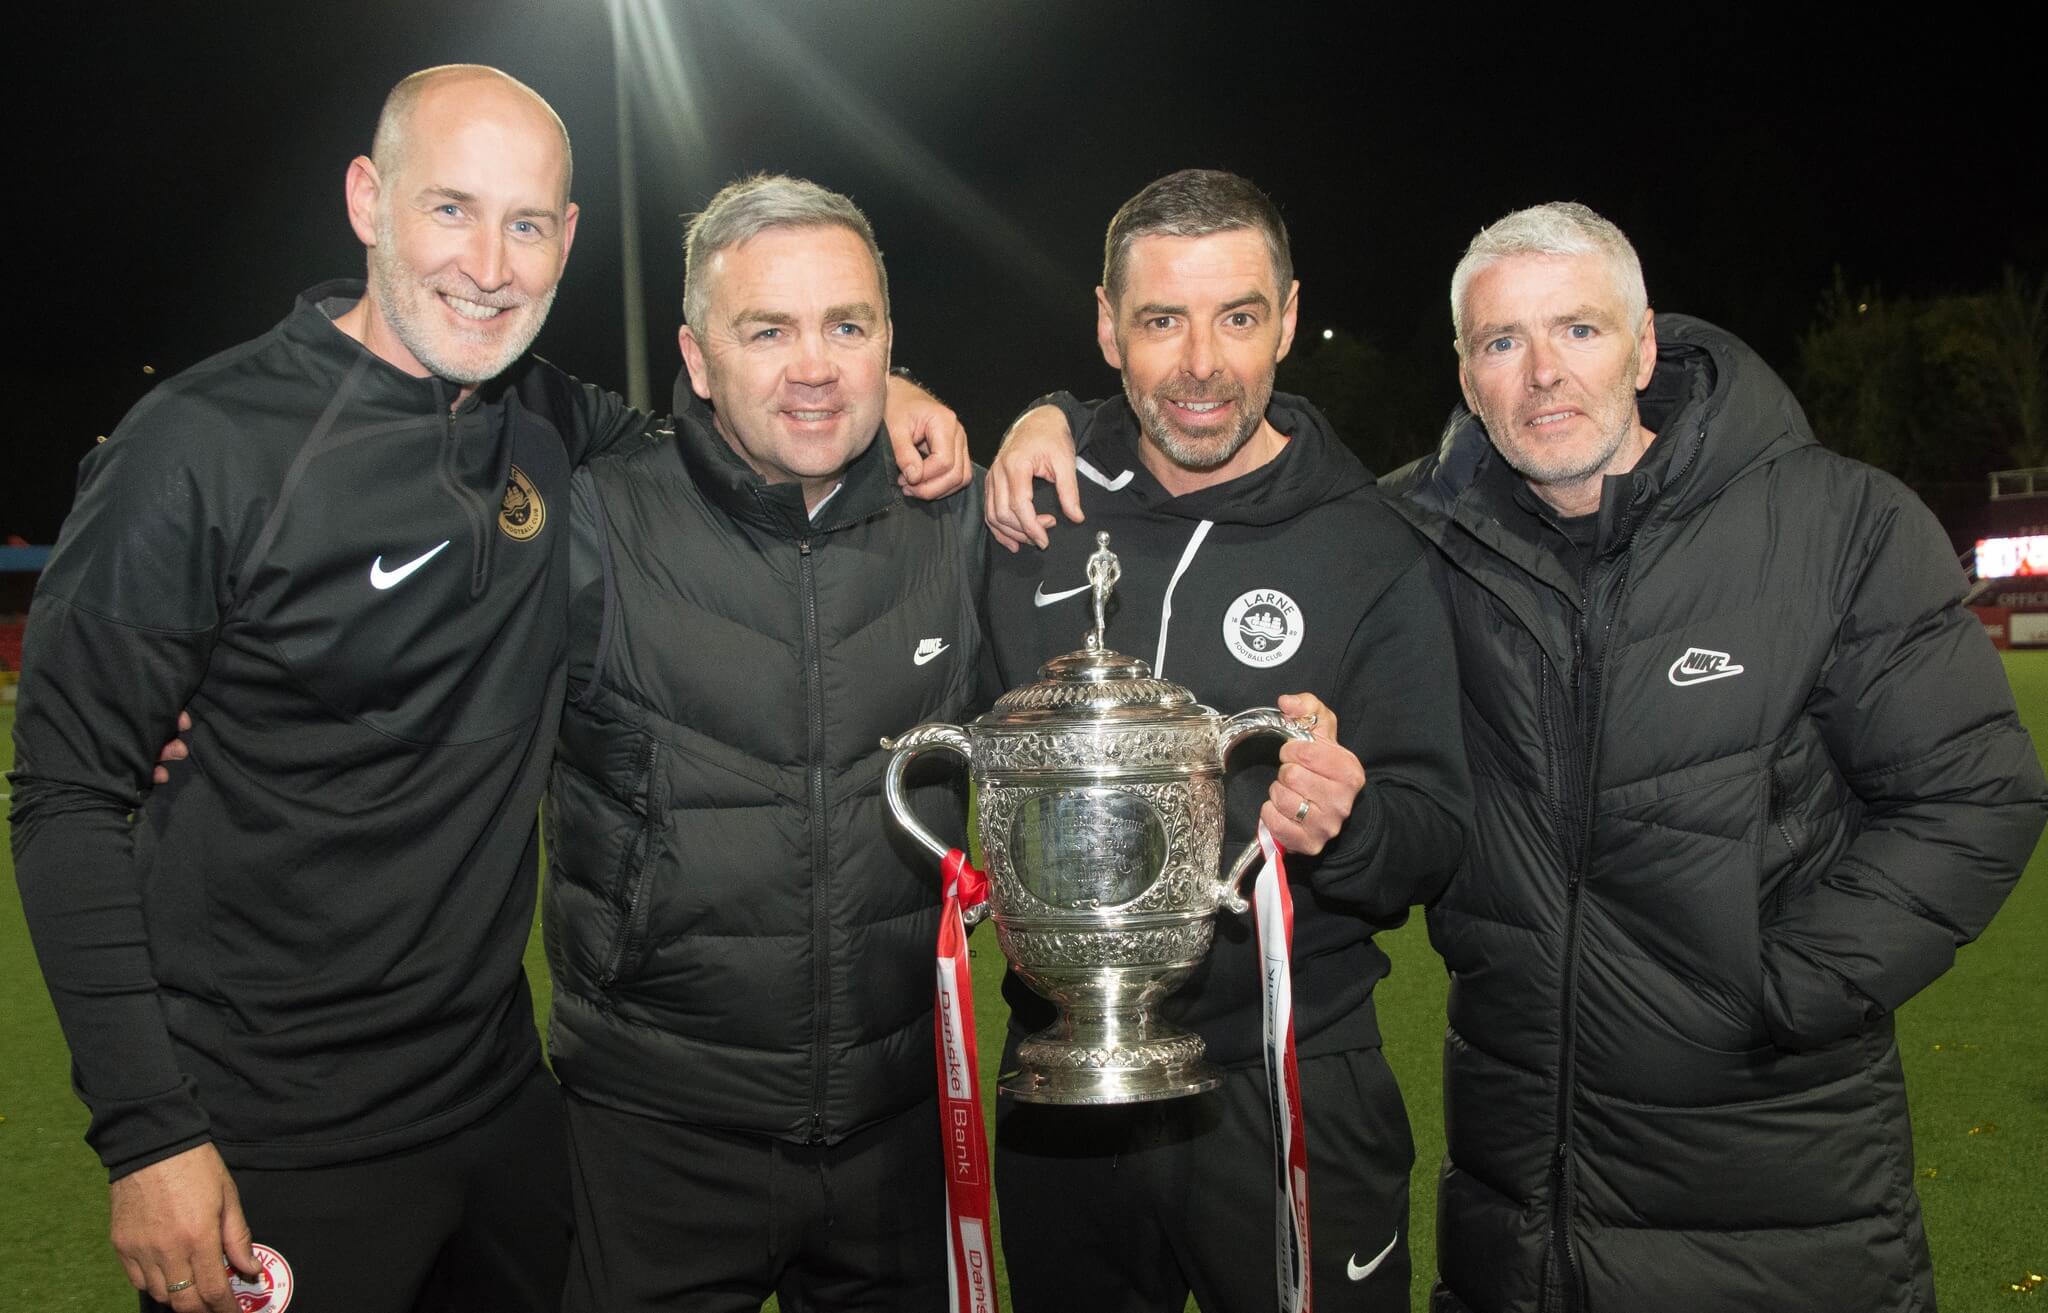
[{"x": 291, "y": 974}]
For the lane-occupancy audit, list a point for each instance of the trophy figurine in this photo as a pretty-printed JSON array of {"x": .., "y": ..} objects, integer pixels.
[{"x": 1099, "y": 797}]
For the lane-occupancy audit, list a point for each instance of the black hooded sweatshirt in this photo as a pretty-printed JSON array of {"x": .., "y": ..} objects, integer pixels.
[{"x": 1296, "y": 577}]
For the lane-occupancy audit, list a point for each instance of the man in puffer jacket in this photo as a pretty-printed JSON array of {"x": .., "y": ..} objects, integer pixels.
[
  {"x": 742, "y": 943},
  {"x": 1747, "y": 776}
]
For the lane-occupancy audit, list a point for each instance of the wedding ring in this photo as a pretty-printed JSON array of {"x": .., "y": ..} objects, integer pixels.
[{"x": 1301, "y": 812}]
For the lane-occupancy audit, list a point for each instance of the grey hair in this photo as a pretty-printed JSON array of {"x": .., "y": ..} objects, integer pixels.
[
  {"x": 387, "y": 147},
  {"x": 1557, "y": 228},
  {"x": 1194, "y": 203},
  {"x": 750, "y": 207}
]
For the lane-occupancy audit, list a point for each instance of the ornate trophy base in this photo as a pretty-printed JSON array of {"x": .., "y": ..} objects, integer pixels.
[{"x": 1116, "y": 1059}]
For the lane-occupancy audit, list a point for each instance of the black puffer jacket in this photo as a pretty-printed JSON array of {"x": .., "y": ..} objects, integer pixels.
[
  {"x": 739, "y": 936},
  {"x": 1745, "y": 782}
]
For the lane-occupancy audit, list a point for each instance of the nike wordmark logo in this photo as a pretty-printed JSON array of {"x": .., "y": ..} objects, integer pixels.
[
  {"x": 1360, "y": 1271},
  {"x": 1699, "y": 665},
  {"x": 928, "y": 649},
  {"x": 381, "y": 578},
  {"x": 1043, "y": 598}
]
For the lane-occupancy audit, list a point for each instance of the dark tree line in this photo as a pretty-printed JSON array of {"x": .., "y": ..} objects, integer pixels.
[{"x": 1934, "y": 389}]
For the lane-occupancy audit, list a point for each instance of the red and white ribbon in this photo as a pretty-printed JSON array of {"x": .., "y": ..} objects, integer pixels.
[
  {"x": 970, "y": 1262},
  {"x": 1274, "y": 909}
]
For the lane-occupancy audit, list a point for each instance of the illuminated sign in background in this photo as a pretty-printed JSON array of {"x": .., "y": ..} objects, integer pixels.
[{"x": 2006, "y": 558}]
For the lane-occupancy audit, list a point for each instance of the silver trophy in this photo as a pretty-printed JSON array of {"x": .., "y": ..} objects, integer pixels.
[{"x": 1099, "y": 792}]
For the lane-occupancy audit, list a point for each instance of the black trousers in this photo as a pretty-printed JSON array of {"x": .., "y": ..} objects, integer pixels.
[
  {"x": 1130, "y": 1209},
  {"x": 475, "y": 1222},
  {"x": 687, "y": 1219}
]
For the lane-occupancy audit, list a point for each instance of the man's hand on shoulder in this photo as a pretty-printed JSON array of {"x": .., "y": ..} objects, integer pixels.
[
  {"x": 1038, "y": 446},
  {"x": 173, "y": 1221},
  {"x": 1323, "y": 773},
  {"x": 929, "y": 442}
]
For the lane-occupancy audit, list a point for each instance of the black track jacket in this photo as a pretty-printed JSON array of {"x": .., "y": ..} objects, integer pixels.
[
  {"x": 307, "y": 946},
  {"x": 1297, "y": 577}
]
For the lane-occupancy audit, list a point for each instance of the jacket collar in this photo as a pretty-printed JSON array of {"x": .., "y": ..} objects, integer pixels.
[
  {"x": 1313, "y": 468},
  {"x": 867, "y": 489},
  {"x": 310, "y": 331},
  {"x": 1718, "y": 411}
]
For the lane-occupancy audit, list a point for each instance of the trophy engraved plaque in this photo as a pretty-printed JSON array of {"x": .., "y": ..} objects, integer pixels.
[{"x": 1099, "y": 798}]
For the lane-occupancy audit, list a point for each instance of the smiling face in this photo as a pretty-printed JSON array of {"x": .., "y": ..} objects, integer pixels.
[
  {"x": 794, "y": 352},
  {"x": 469, "y": 233},
  {"x": 1551, "y": 366},
  {"x": 1198, "y": 330}
]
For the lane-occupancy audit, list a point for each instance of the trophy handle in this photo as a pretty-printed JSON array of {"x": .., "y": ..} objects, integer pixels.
[
  {"x": 945, "y": 738},
  {"x": 1245, "y": 724}
]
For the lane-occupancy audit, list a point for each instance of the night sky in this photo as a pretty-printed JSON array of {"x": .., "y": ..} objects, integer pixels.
[{"x": 179, "y": 171}]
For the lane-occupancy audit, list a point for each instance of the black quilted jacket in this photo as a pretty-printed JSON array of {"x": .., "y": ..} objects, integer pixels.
[
  {"x": 739, "y": 936},
  {"x": 1746, "y": 776}
]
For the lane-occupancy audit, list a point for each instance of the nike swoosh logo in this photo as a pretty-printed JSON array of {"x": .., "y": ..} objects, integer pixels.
[
  {"x": 922, "y": 655},
  {"x": 1359, "y": 1272},
  {"x": 1043, "y": 598},
  {"x": 381, "y": 578},
  {"x": 1683, "y": 678}
]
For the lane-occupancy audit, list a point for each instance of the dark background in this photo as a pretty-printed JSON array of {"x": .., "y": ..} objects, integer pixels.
[{"x": 178, "y": 169}]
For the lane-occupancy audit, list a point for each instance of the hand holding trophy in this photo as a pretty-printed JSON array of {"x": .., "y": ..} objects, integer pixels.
[{"x": 1100, "y": 801}]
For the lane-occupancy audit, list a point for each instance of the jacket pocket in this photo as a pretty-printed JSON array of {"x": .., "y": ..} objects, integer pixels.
[
  {"x": 629, "y": 882},
  {"x": 1780, "y": 848}
]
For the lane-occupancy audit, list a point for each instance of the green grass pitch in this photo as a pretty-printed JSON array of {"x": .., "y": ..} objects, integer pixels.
[{"x": 1975, "y": 1045}]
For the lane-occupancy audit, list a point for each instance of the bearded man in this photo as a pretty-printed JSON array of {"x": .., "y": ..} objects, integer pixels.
[{"x": 1257, "y": 559}]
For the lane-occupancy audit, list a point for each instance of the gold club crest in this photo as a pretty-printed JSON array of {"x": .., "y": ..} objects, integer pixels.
[{"x": 523, "y": 513}]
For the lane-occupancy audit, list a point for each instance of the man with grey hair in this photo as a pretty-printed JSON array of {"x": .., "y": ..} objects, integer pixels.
[
  {"x": 1747, "y": 777},
  {"x": 291, "y": 976},
  {"x": 742, "y": 944}
]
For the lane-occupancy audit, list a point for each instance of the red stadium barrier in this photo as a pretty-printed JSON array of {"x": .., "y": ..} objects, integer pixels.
[
  {"x": 10, "y": 646},
  {"x": 1997, "y": 622}
]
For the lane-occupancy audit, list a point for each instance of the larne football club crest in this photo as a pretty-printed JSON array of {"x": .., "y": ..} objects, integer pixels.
[
  {"x": 1263, "y": 628},
  {"x": 271, "y": 1291},
  {"x": 523, "y": 513}
]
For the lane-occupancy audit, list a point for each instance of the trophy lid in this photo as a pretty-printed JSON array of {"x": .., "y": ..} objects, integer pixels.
[{"x": 1095, "y": 678}]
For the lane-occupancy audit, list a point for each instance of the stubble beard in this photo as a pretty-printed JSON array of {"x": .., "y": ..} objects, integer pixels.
[
  {"x": 399, "y": 290},
  {"x": 1206, "y": 451},
  {"x": 1554, "y": 473}
]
